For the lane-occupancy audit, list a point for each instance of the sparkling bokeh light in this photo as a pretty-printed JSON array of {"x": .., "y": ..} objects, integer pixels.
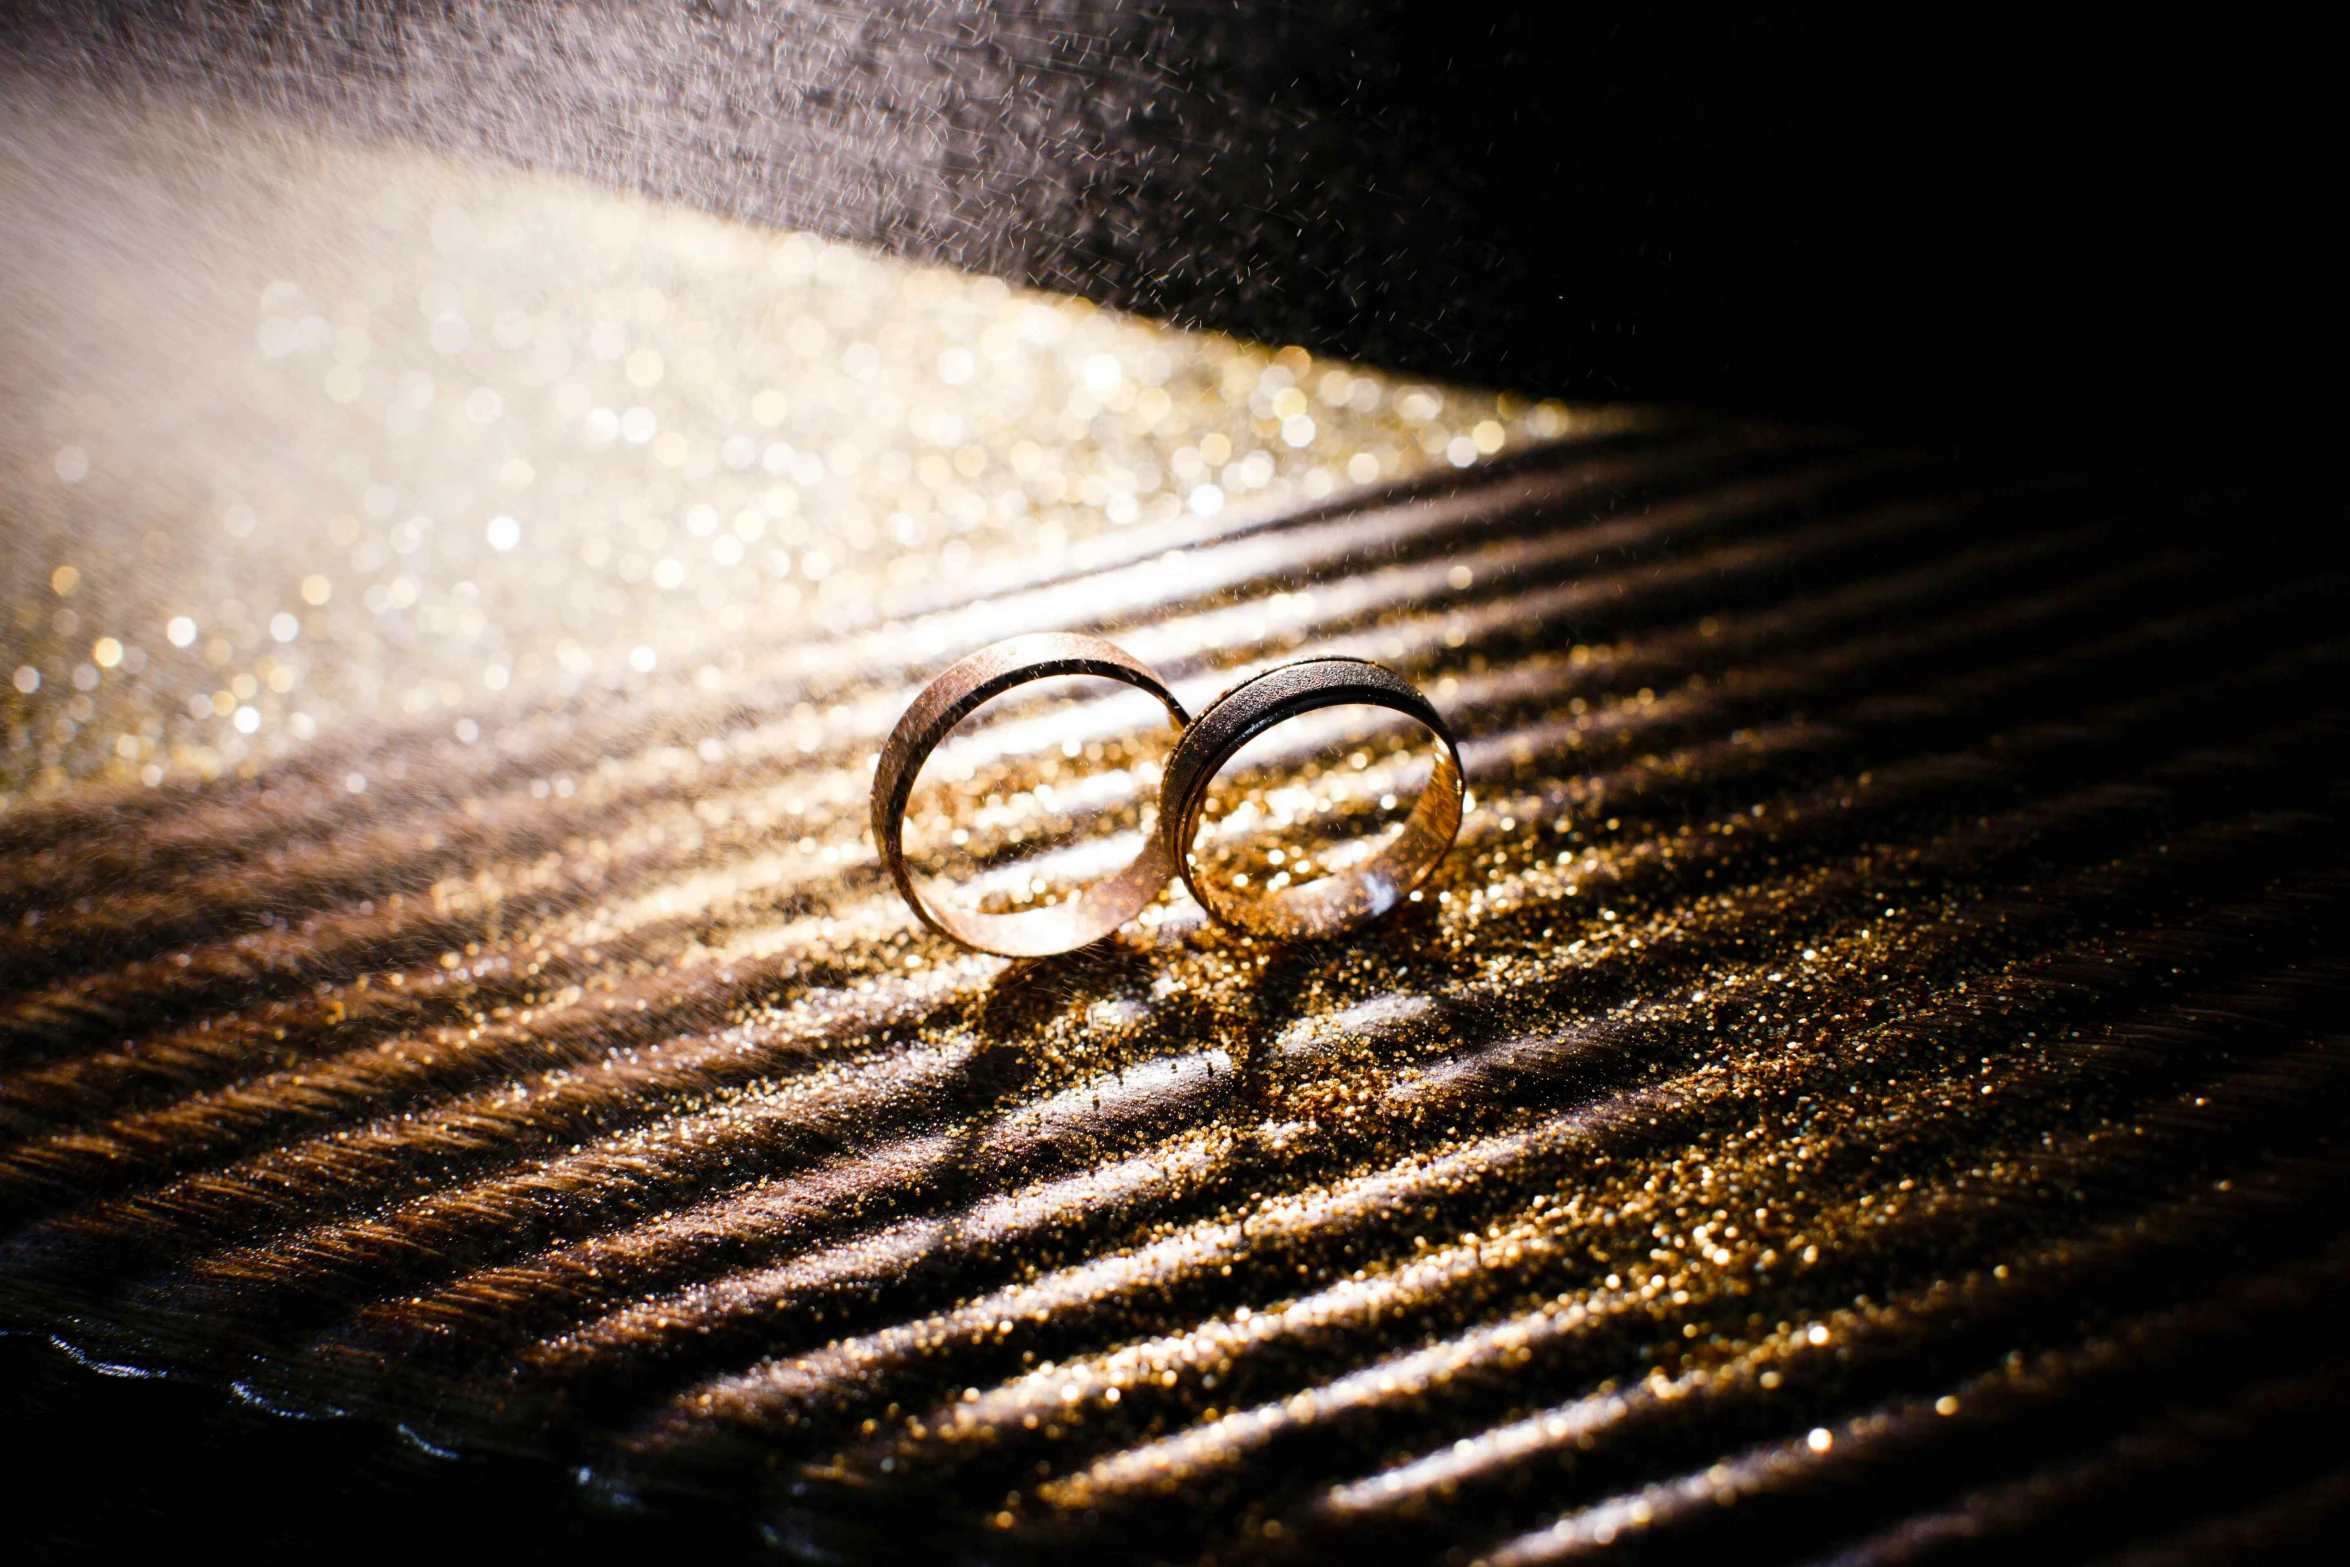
[{"x": 475, "y": 443}]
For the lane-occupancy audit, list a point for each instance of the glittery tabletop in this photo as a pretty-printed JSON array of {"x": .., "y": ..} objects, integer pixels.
[{"x": 1865, "y": 1081}]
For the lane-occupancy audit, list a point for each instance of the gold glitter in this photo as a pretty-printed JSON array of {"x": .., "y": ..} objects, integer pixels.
[
  {"x": 449, "y": 981},
  {"x": 714, "y": 430}
]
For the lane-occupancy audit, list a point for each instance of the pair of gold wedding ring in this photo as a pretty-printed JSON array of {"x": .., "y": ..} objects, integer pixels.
[{"x": 1205, "y": 744}]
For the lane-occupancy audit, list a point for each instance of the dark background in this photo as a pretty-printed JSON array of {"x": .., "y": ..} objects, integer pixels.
[{"x": 2101, "y": 236}]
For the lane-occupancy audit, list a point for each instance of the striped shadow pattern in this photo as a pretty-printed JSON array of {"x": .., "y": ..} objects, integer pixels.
[{"x": 1866, "y": 1086}]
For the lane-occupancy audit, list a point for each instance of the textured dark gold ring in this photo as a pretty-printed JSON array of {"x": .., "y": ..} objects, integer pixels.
[
  {"x": 946, "y": 702},
  {"x": 1338, "y": 902}
]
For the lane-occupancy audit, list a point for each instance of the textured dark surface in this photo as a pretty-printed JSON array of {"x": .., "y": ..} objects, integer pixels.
[{"x": 1871, "y": 1086}]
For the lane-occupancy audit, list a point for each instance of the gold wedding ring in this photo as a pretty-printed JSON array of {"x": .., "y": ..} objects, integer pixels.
[
  {"x": 1333, "y": 903},
  {"x": 1317, "y": 908},
  {"x": 946, "y": 702}
]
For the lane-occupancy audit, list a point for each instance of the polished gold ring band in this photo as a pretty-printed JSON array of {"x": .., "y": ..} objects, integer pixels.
[
  {"x": 1333, "y": 903},
  {"x": 946, "y": 702}
]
